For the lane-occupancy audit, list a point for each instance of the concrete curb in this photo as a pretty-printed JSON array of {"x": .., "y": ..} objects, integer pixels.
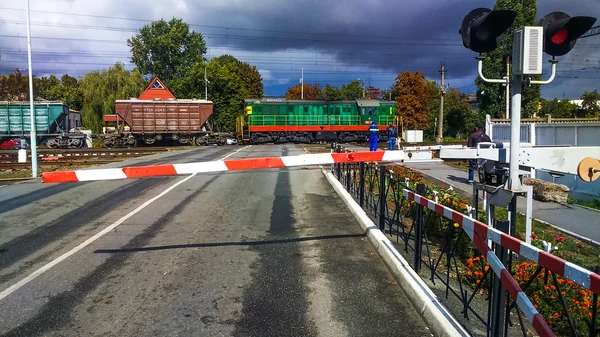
[{"x": 440, "y": 322}]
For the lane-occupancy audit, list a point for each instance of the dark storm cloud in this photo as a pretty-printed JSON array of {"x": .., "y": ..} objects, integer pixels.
[{"x": 334, "y": 41}]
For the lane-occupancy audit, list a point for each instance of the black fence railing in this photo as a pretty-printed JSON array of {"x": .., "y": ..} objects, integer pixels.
[{"x": 445, "y": 256}]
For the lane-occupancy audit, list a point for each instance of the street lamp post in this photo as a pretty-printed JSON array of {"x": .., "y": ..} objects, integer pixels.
[{"x": 32, "y": 133}]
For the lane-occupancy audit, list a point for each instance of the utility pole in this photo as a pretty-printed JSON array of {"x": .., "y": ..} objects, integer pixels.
[
  {"x": 440, "y": 137},
  {"x": 206, "y": 82},
  {"x": 507, "y": 87},
  {"x": 302, "y": 83},
  {"x": 363, "y": 85},
  {"x": 32, "y": 133}
]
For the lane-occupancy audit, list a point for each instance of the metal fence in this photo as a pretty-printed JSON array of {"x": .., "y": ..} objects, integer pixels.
[{"x": 486, "y": 292}]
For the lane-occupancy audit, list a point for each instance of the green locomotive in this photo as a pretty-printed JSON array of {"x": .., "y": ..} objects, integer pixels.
[{"x": 305, "y": 121}]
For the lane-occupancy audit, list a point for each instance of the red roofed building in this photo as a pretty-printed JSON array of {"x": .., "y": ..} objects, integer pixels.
[{"x": 156, "y": 89}]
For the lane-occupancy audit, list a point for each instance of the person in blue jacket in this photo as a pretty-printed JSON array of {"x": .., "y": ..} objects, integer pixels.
[{"x": 373, "y": 136}]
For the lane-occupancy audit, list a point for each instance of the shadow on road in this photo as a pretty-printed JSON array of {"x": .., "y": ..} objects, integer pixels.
[{"x": 225, "y": 244}]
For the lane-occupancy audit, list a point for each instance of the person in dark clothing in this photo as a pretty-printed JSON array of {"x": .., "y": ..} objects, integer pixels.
[
  {"x": 373, "y": 136},
  {"x": 475, "y": 138},
  {"x": 392, "y": 133}
]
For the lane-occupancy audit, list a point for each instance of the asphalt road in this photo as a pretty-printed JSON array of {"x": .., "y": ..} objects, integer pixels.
[{"x": 255, "y": 253}]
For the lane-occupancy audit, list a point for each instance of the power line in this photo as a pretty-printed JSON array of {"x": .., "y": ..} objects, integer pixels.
[{"x": 222, "y": 27}]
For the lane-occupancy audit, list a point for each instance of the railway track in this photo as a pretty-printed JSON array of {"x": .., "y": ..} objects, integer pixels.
[
  {"x": 100, "y": 152},
  {"x": 74, "y": 157}
]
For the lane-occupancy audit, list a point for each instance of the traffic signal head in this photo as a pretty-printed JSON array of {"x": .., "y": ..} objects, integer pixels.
[
  {"x": 482, "y": 28},
  {"x": 562, "y": 31}
]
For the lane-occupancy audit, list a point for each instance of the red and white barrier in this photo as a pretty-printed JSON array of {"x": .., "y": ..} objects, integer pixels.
[
  {"x": 221, "y": 165},
  {"x": 575, "y": 273}
]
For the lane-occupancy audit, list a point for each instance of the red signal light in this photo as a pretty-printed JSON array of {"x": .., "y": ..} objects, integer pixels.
[{"x": 560, "y": 36}]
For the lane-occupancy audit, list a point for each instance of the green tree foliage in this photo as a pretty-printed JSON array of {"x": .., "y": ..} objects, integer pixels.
[
  {"x": 101, "y": 89},
  {"x": 558, "y": 109},
  {"x": 168, "y": 50},
  {"x": 413, "y": 101},
  {"x": 333, "y": 93},
  {"x": 231, "y": 81},
  {"x": 15, "y": 87},
  {"x": 352, "y": 90},
  {"x": 492, "y": 95},
  {"x": 459, "y": 118},
  {"x": 66, "y": 90},
  {"x": 591, "y": 103}
]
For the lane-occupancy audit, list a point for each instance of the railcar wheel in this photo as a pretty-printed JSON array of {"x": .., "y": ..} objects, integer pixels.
[{"x": 52, "y": 143}]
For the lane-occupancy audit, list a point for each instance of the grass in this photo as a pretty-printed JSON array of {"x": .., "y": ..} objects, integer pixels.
[{"x": 594, "y": 203}]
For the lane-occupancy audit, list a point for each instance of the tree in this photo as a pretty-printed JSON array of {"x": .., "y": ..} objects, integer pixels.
[
  {"x": 167, "y": 50},
  {"x": 558, "y": 109},
  {"x": 15, "y": 87},
  {"x": 231, "y": 81},
  {"x": 459, "y": 119},
  {"x": 591, "y": 103},
  {"x": 352, "y": 90},
  {"x": 374, "y": 93},
  {"x": 492, "y": 95},
  {"x": 311, "y": 91},
  {"x": 100, "y": 90},
  {"x": 333, "y": 93},
  {"x": 413, "y": 101}
]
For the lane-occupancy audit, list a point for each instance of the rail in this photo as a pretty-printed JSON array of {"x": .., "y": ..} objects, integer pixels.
[{"x": 491, "y": 281}]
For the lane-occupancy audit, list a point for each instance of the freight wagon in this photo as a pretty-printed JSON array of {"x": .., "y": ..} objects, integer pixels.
[
  {"x": 148, "y": 121},
  {"x": 306, "y": 121},
  {"x": 53, "y": 122}
]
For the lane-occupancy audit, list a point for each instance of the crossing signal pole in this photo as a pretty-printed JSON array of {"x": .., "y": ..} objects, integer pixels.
[{"x": 481, "y": 31}]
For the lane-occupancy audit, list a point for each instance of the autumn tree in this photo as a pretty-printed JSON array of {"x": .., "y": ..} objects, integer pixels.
[
  {"x": 413, "y": 101},
  {"x": 492, "y": 95},
  {"x": 311, "y": 91},
  {"x": 374, "y": 93},
  {"x": 100, "y": 90}
]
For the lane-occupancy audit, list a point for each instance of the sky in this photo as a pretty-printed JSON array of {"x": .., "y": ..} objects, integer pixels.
[{"x": 334, "y": 42}]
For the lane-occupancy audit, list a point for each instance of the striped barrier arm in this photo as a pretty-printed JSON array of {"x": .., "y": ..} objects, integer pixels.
[
  {"x": 221, "y": 166},
  {"x": 568, "y": 270}
]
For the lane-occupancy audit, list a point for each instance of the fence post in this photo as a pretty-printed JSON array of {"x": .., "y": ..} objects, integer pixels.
[
  {"x": 348, "y": 177},
  {"x": 361, "y": 184},
  {"x": 332, "y": 151},
  {"x": 419, "y": 224},
  {"x": 382, "y": 198},
  {"x": 498, "y": 314}
]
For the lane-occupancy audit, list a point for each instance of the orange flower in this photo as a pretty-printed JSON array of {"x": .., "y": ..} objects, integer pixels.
[
  {"x": 487, "y": 267},
  {"x": 556, "y": 315}
]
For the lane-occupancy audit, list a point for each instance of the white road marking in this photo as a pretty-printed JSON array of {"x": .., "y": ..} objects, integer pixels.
[{"x": 87, "y": 242}]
